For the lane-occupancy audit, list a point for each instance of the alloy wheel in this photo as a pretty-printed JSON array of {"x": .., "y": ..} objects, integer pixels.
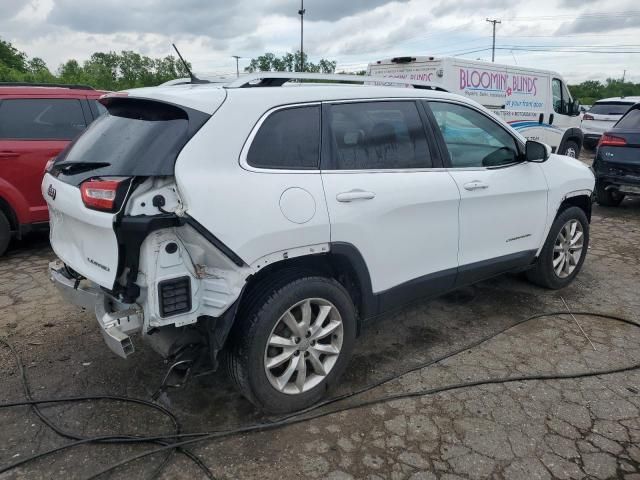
[
  {"x": 303, "y": 346},
  {"x": 567, "y": 249}
]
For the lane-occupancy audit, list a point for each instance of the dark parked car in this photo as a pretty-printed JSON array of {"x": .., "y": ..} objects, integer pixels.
[
  {"x": 617, "y": 162},
  {"x": 36, "y": 122}
]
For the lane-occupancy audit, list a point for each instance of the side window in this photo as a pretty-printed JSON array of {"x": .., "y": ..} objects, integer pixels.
[
  {"x": 556, "y": 88},
  {"x": 473, "y": 139},
  {"x": 41, "y": 119},
  {"x": 288, "y": 139},
  {"x": 377, "y": 135}
]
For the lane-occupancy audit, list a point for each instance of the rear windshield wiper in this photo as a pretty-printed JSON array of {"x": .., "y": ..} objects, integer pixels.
[{"x": 69, "y": 168}]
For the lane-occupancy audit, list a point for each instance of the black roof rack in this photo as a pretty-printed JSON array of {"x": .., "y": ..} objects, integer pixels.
[{"x": 55, "y": 85}]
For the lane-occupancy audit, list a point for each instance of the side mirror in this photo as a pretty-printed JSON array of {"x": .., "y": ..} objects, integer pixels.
[
  {"x": 575, "y": 108},
  {"x": 536, "y": 151}
]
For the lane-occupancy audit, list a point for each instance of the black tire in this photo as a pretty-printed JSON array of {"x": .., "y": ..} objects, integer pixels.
[
  {"x": 608, "y": 198},
  {"x": 5, "y": 233},
  {"x": 571, "y": 147},
  {"x": 257, "y": 317},
  {"x": 542, "y": 273}
]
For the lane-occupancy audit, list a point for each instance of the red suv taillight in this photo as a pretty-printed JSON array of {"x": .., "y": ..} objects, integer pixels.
[
  {"x": 586, "y": 116},
  {"x": 607, "y": 140},
  {"x": 99, "y": 194}
]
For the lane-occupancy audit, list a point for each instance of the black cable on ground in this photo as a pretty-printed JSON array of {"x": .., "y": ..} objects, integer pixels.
[
  {"x": 299, "y": 417},
  {"x": 78, "y": 440}
]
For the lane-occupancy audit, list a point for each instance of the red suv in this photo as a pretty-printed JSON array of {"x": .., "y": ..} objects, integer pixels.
[{"x": 36, "y": 122}]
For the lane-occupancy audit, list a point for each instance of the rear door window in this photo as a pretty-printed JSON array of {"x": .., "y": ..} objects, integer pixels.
[
  {"x": 288, "y": 139},
  {"x": 41, "y": 119},
  {"x": 377, "y": 135}
]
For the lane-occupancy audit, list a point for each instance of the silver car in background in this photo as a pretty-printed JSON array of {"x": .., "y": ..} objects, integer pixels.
[{"x": 602, "y": 116}]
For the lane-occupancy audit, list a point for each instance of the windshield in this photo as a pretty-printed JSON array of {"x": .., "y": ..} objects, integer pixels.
[{"x": 610, "y": 108}]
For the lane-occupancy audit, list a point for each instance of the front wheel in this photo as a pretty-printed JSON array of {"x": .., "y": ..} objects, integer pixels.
[
  {"x": 564, "y": 251},
  {"x": 571, "y": 149},
  {"x": 292, "y": 342}
]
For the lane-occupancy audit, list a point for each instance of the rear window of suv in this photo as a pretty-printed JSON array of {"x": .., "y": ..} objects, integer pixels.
[
  {"x": 41, "y": 119},
  {"x": 134, "y": 137},
  {"x": 610, "y": 108}
]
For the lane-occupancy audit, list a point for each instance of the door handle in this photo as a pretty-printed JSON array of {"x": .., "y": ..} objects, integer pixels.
[
  {"x": 475, "y": 185},
  {"x": 8, "y": 154},
  {"x": 541, "y": 118},
  {"x": 356, "y": 194},
  {"x": 551, "y": 119}
]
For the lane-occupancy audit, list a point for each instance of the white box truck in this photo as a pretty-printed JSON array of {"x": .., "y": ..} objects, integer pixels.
[{"x": 536, "y": 103}]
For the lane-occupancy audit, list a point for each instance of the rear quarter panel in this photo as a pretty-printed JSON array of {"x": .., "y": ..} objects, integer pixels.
[{"x": 239, "y": 206}]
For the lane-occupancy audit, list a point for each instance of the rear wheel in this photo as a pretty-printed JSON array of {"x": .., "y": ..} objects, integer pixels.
[
  {"x": 564, "y": 251},
  {"x": 608, "y": 198},
  {"x": 292, "y": 342},
  {"x": 5, "y": 233}
]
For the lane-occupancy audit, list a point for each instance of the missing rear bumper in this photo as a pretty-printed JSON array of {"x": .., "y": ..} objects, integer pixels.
[{"x": 116, "y": 320}]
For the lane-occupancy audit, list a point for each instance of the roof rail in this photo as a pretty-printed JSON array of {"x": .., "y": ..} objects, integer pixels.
[
  {"x": 56, "y": 85},
  {"x": 277, "y": 79}
]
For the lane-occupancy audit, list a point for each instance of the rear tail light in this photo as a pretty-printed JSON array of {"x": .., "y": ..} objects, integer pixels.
[
  {"x": 586, "y": 116},
  {"x": 103, "y": 194},
  {"x": 607, "y": 140}
]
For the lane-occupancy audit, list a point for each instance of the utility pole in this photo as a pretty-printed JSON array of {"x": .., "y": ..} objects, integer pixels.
[
  {"x": 301, "y": 12},
  {"x": 237, "y": 65},
  {"x": 493, "y": 48},
  {"x": 624, "y": 74}
]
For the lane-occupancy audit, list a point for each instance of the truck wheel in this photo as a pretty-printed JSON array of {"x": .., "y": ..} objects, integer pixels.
[
  {"x": 291, "y": 343},
  {"x": 571, "y": 149},
  {"x": 564, "y": 251},
  {"x": 5, "y": 233},
  {"x": 608, "y": 198}
]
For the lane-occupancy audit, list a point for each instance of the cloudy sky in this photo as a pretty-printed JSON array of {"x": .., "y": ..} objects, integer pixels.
[{"x": 582, "y": 39}]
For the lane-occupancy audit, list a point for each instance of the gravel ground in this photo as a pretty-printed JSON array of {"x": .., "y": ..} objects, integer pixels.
[{"x": 587, "y": 428}]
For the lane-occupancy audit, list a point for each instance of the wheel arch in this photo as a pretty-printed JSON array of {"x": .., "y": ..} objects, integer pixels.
[
  {"x": 5, "y": 208},
  {"x": 574, "y": 134},
  {"x": 343, "y": 262},
  {"x": 580, "y": 200}
]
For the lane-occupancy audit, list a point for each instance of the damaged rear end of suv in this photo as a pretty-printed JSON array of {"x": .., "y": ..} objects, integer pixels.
[{"x": 125, "y": 244}]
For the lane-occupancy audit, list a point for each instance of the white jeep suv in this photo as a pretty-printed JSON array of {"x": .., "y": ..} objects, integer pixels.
[{"x": 272, "y": 223}]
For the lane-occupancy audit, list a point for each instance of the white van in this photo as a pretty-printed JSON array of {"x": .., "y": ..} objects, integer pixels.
[{"x": 536, "y": 103}]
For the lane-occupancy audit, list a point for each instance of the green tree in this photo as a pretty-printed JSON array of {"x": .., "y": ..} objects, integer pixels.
[
  {"x": 289, "y": 62},
  {"x": 12, "y": 58}
]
